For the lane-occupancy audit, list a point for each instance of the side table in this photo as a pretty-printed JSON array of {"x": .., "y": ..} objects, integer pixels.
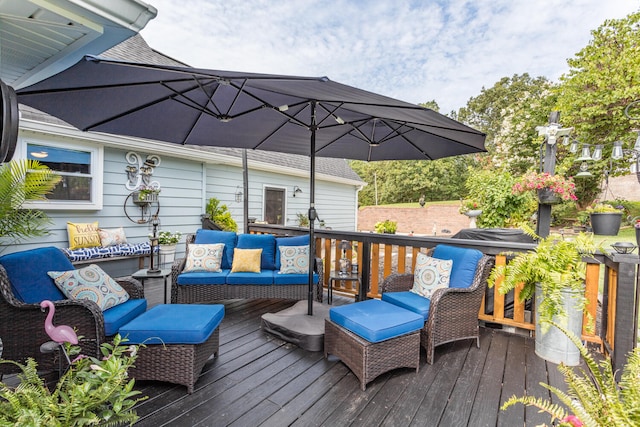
[
  {"x": 335, "y": 276},
  {"x": 144, "y": 274}
]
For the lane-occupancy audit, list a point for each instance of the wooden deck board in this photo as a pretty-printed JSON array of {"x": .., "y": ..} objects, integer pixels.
[{"x": 259, "y": 380}]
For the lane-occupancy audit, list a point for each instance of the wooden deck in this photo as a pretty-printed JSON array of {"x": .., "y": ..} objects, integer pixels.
[{"x": 259, "y": 380}]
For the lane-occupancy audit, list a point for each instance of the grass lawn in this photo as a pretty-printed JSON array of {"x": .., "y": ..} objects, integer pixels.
[{"x": 626, "y": 234}]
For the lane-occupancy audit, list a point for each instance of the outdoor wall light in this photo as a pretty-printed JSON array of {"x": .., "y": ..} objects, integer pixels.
[
  {"x": 238, "y": 194},
  {"x": 296, "y": 190}
]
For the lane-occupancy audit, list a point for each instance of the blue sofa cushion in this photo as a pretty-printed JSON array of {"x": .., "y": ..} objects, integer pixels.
[
  {"x": 410, "y": 301},
  {"x": 203, "y": 278},
  {"x": 376, "y": 320},
  {"x": 27, "y": 272},
  {"x": 229, "y": 238},
  {"x": 266, "y": 242},
  {"x": 289, "y": 241},
  {"x": 265, "y": 277},
  {"x": 293, "y": 279},
  {"x": 174, "y": 324},
  {"x": 465, "y": 262},
  {"x": 121, "y": 314}
]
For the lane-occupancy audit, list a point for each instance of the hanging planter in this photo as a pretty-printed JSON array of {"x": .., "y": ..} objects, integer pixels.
[
  {"x": 546, "y": 196},
  {"x": 606, "y": 223},
  {"x": 145, "y": 197}
]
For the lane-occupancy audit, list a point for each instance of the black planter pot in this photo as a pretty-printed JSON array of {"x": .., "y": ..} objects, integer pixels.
[
  {"x": 547, "y": 196},
  {"x": 606, "y": 223}
]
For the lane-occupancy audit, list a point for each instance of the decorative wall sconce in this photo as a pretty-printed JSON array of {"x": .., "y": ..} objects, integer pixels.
[
  {"x": 296, "y": 190},
  {"x": 144, "y": 191},
  {"x": 238, "y": 194}
]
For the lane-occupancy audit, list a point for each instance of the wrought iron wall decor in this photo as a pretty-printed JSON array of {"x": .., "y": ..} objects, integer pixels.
[{"x": 144, "y": 191}]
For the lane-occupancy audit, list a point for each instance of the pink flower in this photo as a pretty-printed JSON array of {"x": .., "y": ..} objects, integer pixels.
[{"x": 573, "y": 420}]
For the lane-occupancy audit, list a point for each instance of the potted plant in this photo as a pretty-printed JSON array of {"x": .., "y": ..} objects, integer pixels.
[
  {"x": 553, "y": 275},
  {"x": 219, "y": 215},
  {"x": 593, "y": 397},
  {"x": 605, "y": 218},
  {"x": 145, "y": 195},
  {"x": 387, "y": 226},
  {"x": 550, "y": 189},
  {"x": 91, "y": 392},
  {"x": 470, "y": 208},
  {"x": 168, "y": 241}
]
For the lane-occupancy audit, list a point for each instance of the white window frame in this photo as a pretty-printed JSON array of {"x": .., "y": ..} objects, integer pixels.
[{"x": 97, "y": 171}]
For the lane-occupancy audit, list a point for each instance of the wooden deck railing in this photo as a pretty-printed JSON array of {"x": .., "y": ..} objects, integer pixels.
[{"x": 611, "y": 281}]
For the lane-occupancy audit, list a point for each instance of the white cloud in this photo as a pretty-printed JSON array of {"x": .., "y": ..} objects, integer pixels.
[{"x": 412, "y": 50}]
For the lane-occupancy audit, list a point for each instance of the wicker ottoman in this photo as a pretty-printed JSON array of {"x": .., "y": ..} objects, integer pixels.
[
  {"x": 178, "y": 339},
  {"x": 372, "y": 337}
]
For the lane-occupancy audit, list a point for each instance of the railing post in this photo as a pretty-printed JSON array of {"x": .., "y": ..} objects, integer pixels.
[
  {"x": 366, "y": 268},
  {"x": 626, "y": 310}
]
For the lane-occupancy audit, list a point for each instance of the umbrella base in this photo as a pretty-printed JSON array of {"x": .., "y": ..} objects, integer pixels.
[{"x": 294, "y": 325}]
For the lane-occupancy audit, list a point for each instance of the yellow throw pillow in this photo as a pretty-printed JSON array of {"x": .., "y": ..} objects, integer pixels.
[
  {"x": 83, "y": 235},
  {"x": 246, "y": 260}
]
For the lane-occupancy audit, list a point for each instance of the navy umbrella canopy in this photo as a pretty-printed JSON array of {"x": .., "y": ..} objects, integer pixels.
[{"x": 312, "y": 116}]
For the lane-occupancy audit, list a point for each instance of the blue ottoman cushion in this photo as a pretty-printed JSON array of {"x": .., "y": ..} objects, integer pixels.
[
  {"x": 174, "y": 324},
  {"x": 376, "y": 320},
  {"x": 410, "y": 301}
]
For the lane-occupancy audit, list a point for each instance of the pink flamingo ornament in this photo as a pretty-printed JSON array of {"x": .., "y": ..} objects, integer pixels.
[{"x": 61, "y": 333}]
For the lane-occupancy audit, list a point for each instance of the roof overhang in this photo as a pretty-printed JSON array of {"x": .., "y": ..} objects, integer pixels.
[{"x": 39, "y": 38}]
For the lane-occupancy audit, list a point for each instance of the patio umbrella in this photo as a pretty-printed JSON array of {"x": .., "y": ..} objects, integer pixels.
[{"x": 311, "y": 116}]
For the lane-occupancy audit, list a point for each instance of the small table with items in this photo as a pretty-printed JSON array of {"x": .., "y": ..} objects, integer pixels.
[
  {"x": 336, "y": 276},
  {"x": 144, "y": 274}
]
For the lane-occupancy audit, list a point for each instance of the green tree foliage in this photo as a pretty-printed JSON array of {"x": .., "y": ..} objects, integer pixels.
[
  {"x": 500, "y": 207},
  {"x": 220, "y": 215},
  {"x": 602, "y": 81},
  {"x": 22, "y": 181}
]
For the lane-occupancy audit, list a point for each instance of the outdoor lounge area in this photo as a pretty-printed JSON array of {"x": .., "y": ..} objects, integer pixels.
[{"x": 258, "y": 379}]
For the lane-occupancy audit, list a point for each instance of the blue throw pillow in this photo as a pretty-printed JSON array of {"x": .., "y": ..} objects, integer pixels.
[
  {"x": 289, "y": 241},
  {"x": 465, "y": 263},
  {"x": 229, "y": 239},
  {"x": 266, "y": 242}
]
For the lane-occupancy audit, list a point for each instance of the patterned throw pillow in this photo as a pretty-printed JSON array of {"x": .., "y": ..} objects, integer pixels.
[
  {"x": 112, "y": 236},
  {"x": 294, "y": 259},
  {"x": 83, "y": 235},
  {"x": 204, "y": 257},
  {"x": 430, "y": 274},
  {"x": 90, "y": 283},
  {"x": 246, "y": 260}
]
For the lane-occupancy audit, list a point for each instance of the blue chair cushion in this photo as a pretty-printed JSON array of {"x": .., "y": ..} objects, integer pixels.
[
  {"x": 266, "y": 242},
  {"x": 174, "y": 324},
  {"x": 376, "y": 320},
  {"x": 465, "y": 263},
  {"x": 265, "y": 277},
  {"x": 410, "y": 301},
  {"x": 293, "y": 279},
  {"x": 289, "y": 241},
  {"x": 229, "y": 238},
  {"x": 121, "y": 314},
  {"x": 27, "y": 272},
  {"x": 203, "y": 278}
]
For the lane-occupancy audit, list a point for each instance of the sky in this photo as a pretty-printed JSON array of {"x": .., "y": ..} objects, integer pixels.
[{"x": 416, "y": 51}]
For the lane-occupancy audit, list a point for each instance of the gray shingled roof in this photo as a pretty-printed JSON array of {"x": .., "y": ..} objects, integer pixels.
[{"x": 136, "y": 49}]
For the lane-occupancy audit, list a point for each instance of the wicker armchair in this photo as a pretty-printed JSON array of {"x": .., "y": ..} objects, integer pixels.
[
  {"x": 22, "y": 324},
  {"x": 453, "y": 312}
]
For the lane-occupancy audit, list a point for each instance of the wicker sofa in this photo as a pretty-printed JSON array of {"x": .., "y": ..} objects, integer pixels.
[
  {"x": 210, "y": 286},
  {"x": 451, "y": 313}
]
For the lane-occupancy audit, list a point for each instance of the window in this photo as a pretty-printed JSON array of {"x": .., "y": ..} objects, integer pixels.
[
  {"x": 80, "y": 168},
  {"x": 274, "y": 208}
]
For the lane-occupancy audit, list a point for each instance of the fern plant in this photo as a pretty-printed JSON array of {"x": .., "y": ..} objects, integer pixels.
[
  {"x": 594, "y": 398},
  {"x": 92, "y": 392},
  {"x": 22, "y": 181}
]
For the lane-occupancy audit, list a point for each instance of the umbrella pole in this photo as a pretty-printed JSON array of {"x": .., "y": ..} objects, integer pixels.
[{"x": 312, "y": 208}]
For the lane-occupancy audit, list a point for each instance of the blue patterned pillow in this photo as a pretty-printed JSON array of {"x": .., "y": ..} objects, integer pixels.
[
  {"x": 294, "y": 259},
  {"x": 90, "y": 283},
  {"x": 204, "y": 257},
  {"x": 430, "y": 274}
]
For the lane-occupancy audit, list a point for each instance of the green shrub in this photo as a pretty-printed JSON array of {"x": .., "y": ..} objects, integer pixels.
[
  {"x": 220, "y": 215},
  {"x": 386, "y": 226}
]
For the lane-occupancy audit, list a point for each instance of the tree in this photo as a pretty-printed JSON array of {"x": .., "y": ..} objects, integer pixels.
[
  {"x": 22, "y": 181},
  {"x": 602, "y": 80}
]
